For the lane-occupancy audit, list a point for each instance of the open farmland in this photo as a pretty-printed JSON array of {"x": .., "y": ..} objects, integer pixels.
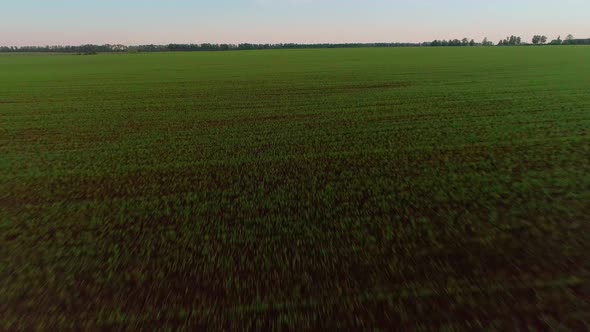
[{"x": 415, "y": 188}]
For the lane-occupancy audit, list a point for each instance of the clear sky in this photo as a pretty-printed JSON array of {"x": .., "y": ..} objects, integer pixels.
[{"x": 72, "y": 22}]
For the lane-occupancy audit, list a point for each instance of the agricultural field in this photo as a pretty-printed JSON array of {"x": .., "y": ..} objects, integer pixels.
[{"x": 335, "y": 189}]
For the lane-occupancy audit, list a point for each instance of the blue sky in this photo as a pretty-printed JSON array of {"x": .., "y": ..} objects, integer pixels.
[{"x": 41, "y": 22}]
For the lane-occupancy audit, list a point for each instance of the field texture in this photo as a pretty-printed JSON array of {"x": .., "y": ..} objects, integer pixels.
[{"x": 413, "y": 188}]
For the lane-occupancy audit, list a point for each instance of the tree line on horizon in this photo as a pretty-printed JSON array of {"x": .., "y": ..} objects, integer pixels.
[
  {"x": 108, "y": 48},
  {"x": 512, "y": 41}
]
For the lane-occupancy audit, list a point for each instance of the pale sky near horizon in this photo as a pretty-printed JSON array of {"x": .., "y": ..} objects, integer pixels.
[{"x": 73, "y": 22}]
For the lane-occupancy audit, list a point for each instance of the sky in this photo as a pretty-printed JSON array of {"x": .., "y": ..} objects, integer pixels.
[{"x": 74, "y": 22}]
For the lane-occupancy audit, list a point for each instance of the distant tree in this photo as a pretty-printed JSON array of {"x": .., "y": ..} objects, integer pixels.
[
  {"x": 487, "y": 42},
  {"x": 472, "y": 42},
  {"x": 543, "y": 39},
  {"x": 454, "y": 42},
  {"x": 465, "y": 42},
  {"x": 536, "y": 39},
  {"x": 457, "y": 42},
  {"x": 511, "y": 40},
  {"x": 556, "y": 41},
  {"x": 569, "y": 37}
]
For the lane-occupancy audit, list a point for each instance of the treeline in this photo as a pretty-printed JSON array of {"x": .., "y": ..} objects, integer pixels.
[
  {"x": 511, "y": 41},
  {"x": 91, "y": 49},
  {"x": 94, "y": 49},
  {"x": 454, "y": 42},
  {"x": 247, "y": 46},
  {"x": 82, "y": 49}
]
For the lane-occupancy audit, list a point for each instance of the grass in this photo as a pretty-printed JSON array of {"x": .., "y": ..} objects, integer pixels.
[{"x": 415, "y": 188}]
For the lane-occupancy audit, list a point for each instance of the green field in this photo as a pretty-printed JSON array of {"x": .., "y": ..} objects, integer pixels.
[{"x": 414, "y": 188}]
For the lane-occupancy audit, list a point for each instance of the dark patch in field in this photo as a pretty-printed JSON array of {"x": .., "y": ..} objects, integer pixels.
[
  {"x": 257, "y": 120},
  {"x": 357, "y": 88},
  {"x": 326, "y": 90},
  {"x": 372, "y": 86},
  {"x": 35, "y": 135}
]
